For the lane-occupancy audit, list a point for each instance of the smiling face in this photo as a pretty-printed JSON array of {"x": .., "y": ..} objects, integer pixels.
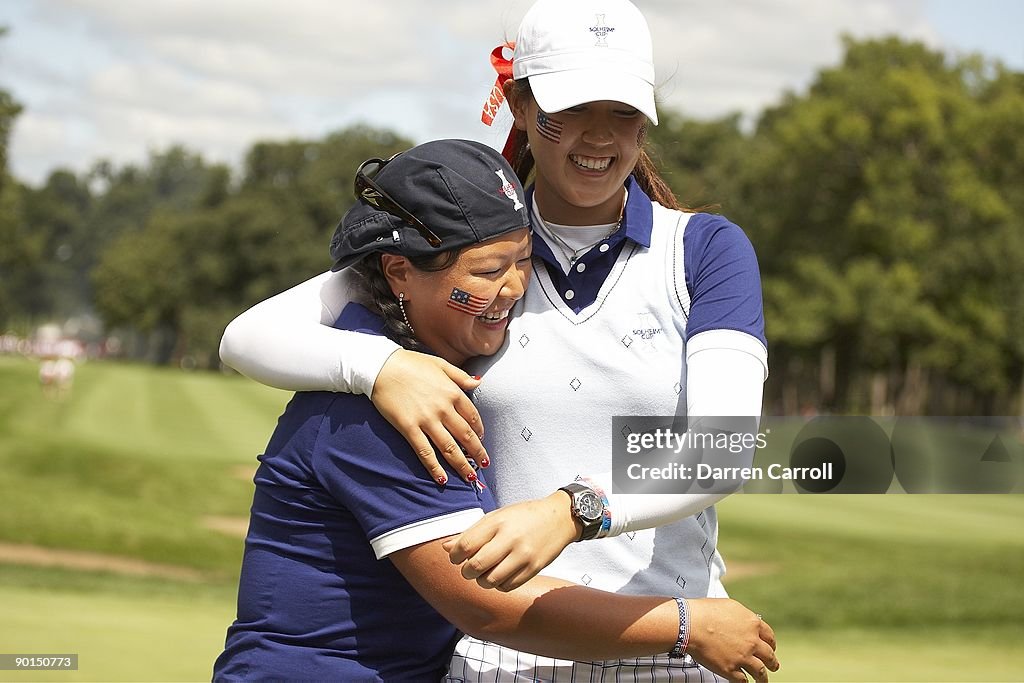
[
  {"x": 583, "y": 156},
  {"x": 462, "y": 311}
]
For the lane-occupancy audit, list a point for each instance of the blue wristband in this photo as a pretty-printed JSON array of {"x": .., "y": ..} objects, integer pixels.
[{"x": 679, "y": 649}]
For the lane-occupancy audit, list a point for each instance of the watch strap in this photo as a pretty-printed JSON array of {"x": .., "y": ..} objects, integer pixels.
[{"x": 590, "y": 528}]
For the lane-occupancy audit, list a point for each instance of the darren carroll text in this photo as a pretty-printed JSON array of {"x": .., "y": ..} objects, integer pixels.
[{"x": 705, "y": 472}]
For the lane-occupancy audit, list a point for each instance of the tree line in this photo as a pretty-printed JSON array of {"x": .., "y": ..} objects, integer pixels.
[{"x": 885, "y": 203}]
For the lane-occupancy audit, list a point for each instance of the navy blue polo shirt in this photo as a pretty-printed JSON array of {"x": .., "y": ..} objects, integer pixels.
[
  {"x": 720, "y": 268},
  {"x": 314, "y": 602}
]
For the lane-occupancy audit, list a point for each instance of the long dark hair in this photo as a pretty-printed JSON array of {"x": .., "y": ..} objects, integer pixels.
[
  {"x": 646, "y": 173},
  {"x": 371, "y": 279}
]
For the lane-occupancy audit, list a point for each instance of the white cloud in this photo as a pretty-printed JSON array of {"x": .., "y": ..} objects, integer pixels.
[
  {"x": 297, "y": 46},
  {"x": 742, "y": 56},
  {"x": 173, "y": 91},
  {"x": 38, "y": 140},
  {"x": 120, "y": 78}
]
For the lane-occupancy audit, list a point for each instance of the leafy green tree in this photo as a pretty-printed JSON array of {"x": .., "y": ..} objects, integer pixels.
[
  {"x": 192, "y": 267},
  {"x": 21, "y": 251},
  {"x": 882, "y": 227},
  {"x": 125, "y": 199},
  {"x": 57, "y": 213},
  {"x": 317, "y": 174},
  {"x": 699, "y": 159}
]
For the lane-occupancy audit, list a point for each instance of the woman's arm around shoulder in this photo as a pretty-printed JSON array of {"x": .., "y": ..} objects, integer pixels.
[{"x": 288, "y": 341}]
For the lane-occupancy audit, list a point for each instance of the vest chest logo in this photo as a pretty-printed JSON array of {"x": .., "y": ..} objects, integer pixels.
[
  {"x": 645, "y": 328},
  {"x": 647, "y": 334}
]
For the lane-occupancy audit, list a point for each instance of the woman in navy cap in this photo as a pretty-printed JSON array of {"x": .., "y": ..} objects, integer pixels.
[
  {"x": 344, "y": 575},
  {"x": 639, "y": 307}
]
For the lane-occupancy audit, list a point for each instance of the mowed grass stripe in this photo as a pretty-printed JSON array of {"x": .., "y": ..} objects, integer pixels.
[
  {"x": 87, "y": 474},
  {"x": 240, "y": 414},
  {"x": 939, "y": 518},
  {"x": 260, "y": 399},
  {"x": 116, "y": 416},
  {"x": 179, "y": 417},
  {"x": 23, "y": 407},
  {"x": 166, "y": 413},
  {"x": 214, "y": 416}
]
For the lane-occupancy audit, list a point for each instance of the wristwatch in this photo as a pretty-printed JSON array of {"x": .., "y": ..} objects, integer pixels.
[{"x": 587, "y": 507}]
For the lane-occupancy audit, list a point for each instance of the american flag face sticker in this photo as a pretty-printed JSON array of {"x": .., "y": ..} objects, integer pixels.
[
  {"x": 467, "y": 303},
  {"x": 549, "y": 128}
]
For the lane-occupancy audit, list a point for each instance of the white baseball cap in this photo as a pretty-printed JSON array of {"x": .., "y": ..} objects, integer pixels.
[{"x": 578, "y": 51}]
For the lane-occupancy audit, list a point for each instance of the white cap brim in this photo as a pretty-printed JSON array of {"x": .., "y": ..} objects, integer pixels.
[{"x": 559, "y": 90}]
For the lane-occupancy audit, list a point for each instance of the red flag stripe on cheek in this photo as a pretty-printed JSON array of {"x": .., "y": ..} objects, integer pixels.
[
  {"x": 549, "y": 128},
  {"x": 467, "y": 303}
]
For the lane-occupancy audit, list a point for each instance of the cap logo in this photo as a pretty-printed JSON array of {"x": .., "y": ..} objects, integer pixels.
[
  {"x": 509, "y": 190},
  {"x": 601, "y": 31}
]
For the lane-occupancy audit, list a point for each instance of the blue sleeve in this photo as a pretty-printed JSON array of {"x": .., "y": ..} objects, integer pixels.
[
  {"x": 722, "y": 278},
  {"x": 358, "y": 318},
  {"x": 369, "y": 468}
]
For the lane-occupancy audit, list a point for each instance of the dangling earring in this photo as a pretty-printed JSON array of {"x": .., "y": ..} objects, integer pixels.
[{"x": 401, "y": 305}]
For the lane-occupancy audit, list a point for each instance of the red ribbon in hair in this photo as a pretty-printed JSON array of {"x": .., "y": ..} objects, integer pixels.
[{"x": 503, "y": 67}]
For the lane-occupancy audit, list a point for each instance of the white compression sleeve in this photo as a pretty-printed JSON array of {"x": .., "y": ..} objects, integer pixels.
[
  {"x": 287, "y": 342},
  {"x": 725, "y": 373}
]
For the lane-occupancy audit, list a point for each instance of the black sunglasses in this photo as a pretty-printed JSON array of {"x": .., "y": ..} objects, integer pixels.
[{"x": 372, "y": 194}]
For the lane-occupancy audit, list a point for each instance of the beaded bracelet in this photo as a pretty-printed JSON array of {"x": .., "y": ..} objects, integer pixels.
[{"x": 679, "y": 649}]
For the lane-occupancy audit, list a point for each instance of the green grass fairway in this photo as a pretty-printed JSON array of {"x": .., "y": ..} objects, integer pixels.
[
  {"x": 122, "y": 629},
  {"x": 132, "y": 462},
  {"x": 132, "y": 465},
  {"x": 853, "y": 655},
  {"x": 883, "y": 588}
]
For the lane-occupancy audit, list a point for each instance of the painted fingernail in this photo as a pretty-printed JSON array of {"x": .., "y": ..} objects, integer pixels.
[
  {"x": 477, "y": 376},
  {"x": 442, "y": 480},
  {"x": 470, "y": 477},
  {"x": 484, "y": 462}
]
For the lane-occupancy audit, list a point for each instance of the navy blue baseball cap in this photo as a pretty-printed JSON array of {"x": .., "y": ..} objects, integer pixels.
[{"x": 433, "y": 198}]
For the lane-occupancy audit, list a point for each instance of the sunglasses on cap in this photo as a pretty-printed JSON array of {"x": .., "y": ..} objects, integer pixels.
[{"x": 371, "y": 193}]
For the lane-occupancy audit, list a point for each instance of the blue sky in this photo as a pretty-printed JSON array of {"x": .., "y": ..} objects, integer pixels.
[
  {"x": 994, "y": 27},
  {"x": 117, "y": 79}
]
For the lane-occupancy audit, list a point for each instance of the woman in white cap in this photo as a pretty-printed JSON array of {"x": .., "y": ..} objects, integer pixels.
[
  {"x": 440, "y": 243},
  {"x": 639, "y": 308}
]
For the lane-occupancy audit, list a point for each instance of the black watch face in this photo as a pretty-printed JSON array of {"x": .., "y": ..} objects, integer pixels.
[{"x": 590, "y": 506}]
